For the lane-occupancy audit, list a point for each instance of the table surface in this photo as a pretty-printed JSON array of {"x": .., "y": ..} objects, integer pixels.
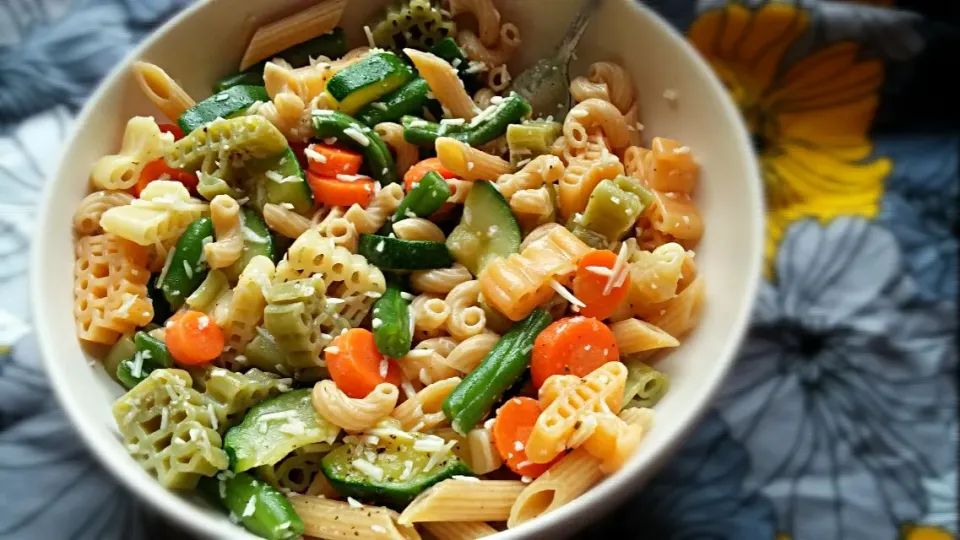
[{"x": 839, "y": 420}]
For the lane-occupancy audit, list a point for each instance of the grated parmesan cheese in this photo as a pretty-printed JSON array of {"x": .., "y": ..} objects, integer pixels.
[
  {"x": 368, "y": 469},
  {"x": 384, "y": 367},
  {"x": 619, "y": 272},
  {"x": 600, "y": 270},
  {"x": 378, "y": 529},
  {"x": 251, "y": 506},
  {"x": 565, "y": 294},
  {"x": 356, "y": 135},
  {"x": 166, "y": 267},
  {"x": 314, "y": 156},
  {"x": 251, "y": 236},
  {"x": 354, "y": 503},
  {"x": 465, "y": 478},
  {"x": 369, "y": 34},
  {"x": 407, "y": 470}
]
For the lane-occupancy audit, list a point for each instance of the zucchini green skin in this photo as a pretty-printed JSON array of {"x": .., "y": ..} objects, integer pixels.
[
  {"x": 394, "y": 254},
  {"x": 487, "y": 230},
  {"x": 264, "y": 190},
  {"x": 221, "y": 105},
  {"x": 248, "y": 447},
  {"x": 392, "y": 335},
  {"x": 273, "y": 518},
  {"x": 476, "y": 394},
  {"x": 161, "y": 308},
  {"x": 448, "y": 50},
  {"x": 367, "y": 80},
  {"x": 511, "y": 110},
  {"x": 255, "y": 223},
  {"x": 376, "y": 154},
  {"x": 178, "y": 283},
  {"x": 390, "y": 491},
  {"x": 333, "y": 44},
  {"x": 410, "y": 98},
  {"x": 155, "y": 356}
]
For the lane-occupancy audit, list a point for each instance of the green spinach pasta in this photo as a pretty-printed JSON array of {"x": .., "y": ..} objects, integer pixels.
[{"x": 340, "y": 282}]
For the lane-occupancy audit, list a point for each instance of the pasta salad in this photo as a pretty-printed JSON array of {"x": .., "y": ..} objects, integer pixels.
[{"x": 365, "y": 293}]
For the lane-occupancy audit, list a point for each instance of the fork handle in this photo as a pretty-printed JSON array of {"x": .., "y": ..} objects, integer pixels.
[{"x": 576, "y": 29}]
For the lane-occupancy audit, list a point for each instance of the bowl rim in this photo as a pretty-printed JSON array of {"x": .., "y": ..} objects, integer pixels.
[{"x": 563, "y": 521}]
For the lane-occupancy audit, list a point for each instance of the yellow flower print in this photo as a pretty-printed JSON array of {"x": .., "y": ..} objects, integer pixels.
[
  {"x": 809, "y": 122},
  {"x": 924, "y": 532}
]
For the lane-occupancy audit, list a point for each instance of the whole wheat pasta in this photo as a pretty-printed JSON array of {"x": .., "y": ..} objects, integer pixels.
[
  {"x": 582, "y": 89},
  {"x": 462, "y": 500},
  {"x": 470, "y": 163},
  {"x": 444, "y": 82},
  {"x": 228, "y": 246},
  {"x": 499, "y": 79},
  {"x": 306, "y": 24},
  {"x": 407, "y": 155},
  {"x": 566, "y": 480},
  {"x": 466, "y": 316},
  {"x": 540, "y": 170},
  {"x": 418, "y": 229},
  {"x": 284, "y": 221},
  {"x": 86, "y": 218},
  {"x": 632, "y": 118},
  {"x": 596, "y": 113},
  {"x": 486, "y": 15},
  {"x": 532, "y": 206},
  {"x": 461, "y": 188},
  {"x": 383, "y": 205},
  {"x": 482, "y": 98},
  {"x": 354, "y": 414},
  {"x": 325, "y": 518},
  {"x": 468, "y": 354},
  {"x": 439, "y": 280},
  {"x": 338, "y": 228},
  {"x": 498, "y": 55},
  {"x": 425, "y": 366},
  {"x": 162, "y": 90},
  {"x": 423, "y": 411},
  {"x": 463, "y": 530},
  {"x": 430, "y": 312},
  {"x": 618, "y": 83}
]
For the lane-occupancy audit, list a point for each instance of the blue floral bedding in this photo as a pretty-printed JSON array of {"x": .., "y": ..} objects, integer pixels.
[{"x": 839, "y": 421}]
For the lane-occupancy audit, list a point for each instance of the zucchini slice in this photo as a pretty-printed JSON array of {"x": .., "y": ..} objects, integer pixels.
[
  {"x": 363, "y": 82},
  {"x": 487, "y": 230},
  {"x": 222, "y": 105},
  {"x": 389, "y": 253},
  {"x": 263, "y": 438},
  {"x": 394, "y": 472}
]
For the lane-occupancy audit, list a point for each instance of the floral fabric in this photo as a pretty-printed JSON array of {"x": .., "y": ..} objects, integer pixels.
[{"x": 839, "y": 421}]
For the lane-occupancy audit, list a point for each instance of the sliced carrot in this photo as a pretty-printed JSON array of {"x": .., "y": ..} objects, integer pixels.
[
  {"x": 335, "y": 192},
  {"x": 589, "y": 286},
  {"x": 415, "y": 173},
  {"x": 511, "y": 430},
  {"x": 172, "y": 129},
  {"x": 159, "y": 170},
  {"x": 572, "y": 346},
  {"x": 356, "y": 365},
  {"x": 329, "y": 161},
  {"x": 193, "y": 338}
]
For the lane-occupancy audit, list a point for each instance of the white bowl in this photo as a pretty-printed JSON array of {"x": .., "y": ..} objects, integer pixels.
[{"x": 206, "y": 41}]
